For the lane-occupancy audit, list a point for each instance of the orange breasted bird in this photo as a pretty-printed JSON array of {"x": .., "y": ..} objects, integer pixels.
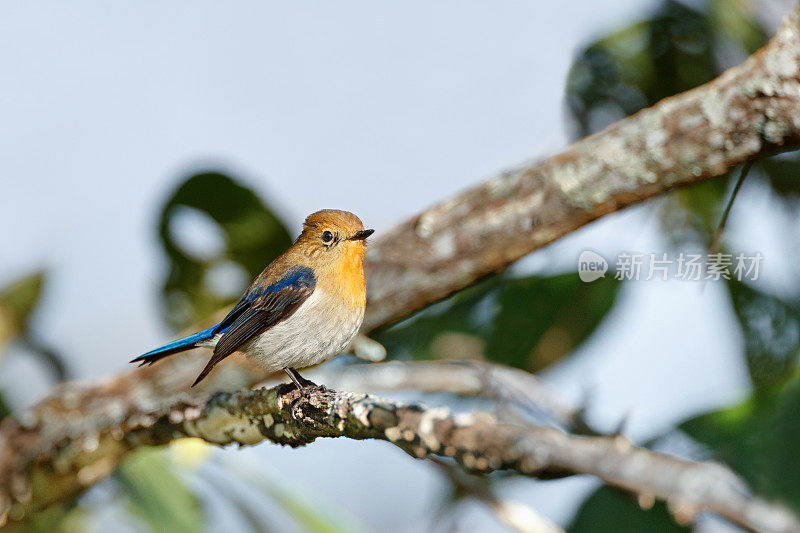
[{"x": 302, "y": 310}]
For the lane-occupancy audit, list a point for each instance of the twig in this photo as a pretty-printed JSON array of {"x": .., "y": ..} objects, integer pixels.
[
  {"x": 717, "y": 239},
  {"x": 464, "y": 378},
  {"x": 517, "y": 516}
]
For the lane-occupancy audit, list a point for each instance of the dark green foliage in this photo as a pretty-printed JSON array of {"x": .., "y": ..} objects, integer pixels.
[
  {"x": 783, "y": 173},
  {"x": 678, "y": 48},
  {"x": 253, "y": 235},
  {"x": 157, "y": 495},
  {"x": 18, "y": 302},
  {"x": 759, "y": 439},
  {"x": 4, "y": 408},
  {"x": 19, "y": 299},
  {"x": 610, "y": 510},
  {"x": 527, "y": 322},
  {"x": 771, "y": 328},
  {"x": 540, "y": 320},
  {"x": 637, "y": 66},
  {"x": 467, "y": 312}
]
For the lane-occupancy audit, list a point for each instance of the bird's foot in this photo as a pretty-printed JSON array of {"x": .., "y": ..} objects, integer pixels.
[
  {"x": 305, "y": 387},
  {"x": 305, "y": 394},
  {"x": 311, "y": 387}
]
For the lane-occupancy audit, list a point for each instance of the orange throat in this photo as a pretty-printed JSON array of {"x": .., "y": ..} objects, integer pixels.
[{"x": 346, "y": 279}]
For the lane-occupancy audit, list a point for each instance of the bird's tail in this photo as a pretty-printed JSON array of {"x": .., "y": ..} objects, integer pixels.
[{"x": 179, "y": 345}]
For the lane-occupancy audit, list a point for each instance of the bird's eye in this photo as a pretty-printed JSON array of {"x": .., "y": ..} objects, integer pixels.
[{"x": 327, "y": 237}]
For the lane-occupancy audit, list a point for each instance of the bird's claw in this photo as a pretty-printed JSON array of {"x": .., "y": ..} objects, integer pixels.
[
  {"x": 305, "y": 392},
  {"x": 312, "y": 387}
]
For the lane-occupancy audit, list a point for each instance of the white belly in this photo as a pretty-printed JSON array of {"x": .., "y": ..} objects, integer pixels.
[{"x": 319, "y": 330}]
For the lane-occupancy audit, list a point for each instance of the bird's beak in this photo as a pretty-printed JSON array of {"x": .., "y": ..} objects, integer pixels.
[{"x": 361, "y": 235}]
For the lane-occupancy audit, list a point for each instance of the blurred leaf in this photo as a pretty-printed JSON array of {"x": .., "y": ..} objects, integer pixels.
[
  {"x": 67, "y": 518},
  {"x": 758, "y": 439},
  {"x": 156, "y": 495},
  {"x": 5, "y": 410},
  {"x": 253, "y": 236},
  {"x": 637, "y": 66},
  {"x": 608, "y": 509},
  {"x": 541, "y": 320},
  {"x": 527, "y": 322},
  {"x": 311, "y": 516},
  {"x": 771, "y": 330},
  {"x": 467, "y": 312},
  {"x": 783, "y": 173},
  {"x": 17, "y": 302},
  {"x": 699, "y": 209},
  {"x": 733, "y": 21},
  {"x": 51, "y": 359}
]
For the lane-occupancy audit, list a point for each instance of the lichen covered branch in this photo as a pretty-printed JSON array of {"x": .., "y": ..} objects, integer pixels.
[
  {"x": 749, "y": 111},
  {"x": 477, "y": 441}
]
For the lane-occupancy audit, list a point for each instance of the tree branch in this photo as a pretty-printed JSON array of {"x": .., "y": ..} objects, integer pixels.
[
  {"x": 476, "y": 441},
  {"x": 515, "y": 515},
  {"x": 504, "y": 384},
  {"x": 749, "y": 111},
  {"x": 80, "y": 432}
]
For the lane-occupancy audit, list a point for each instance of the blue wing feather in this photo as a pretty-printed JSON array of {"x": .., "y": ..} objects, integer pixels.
[
  {"x": 263, "y": 310},
  {"x": 259, "y": 308}
]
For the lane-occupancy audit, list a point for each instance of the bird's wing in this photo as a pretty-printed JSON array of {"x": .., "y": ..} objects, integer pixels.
[{"x": 258, "y": 310}]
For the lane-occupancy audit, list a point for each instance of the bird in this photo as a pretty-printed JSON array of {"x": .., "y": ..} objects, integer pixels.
[{"x": 303, "y": 309}]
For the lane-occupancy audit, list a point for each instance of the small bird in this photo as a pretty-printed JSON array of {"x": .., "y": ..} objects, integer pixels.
[{"x": 302, "y": 310}]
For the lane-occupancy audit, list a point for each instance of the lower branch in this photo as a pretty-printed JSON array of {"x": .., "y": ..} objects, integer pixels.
[
  {"x": 503, "y": 384},
  {"x": 477, "y": 441}
]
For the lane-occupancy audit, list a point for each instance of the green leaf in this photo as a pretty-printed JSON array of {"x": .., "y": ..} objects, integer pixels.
[
  {"x": 771, "y": 330},
  {"x": 610, "y": 510},
  {"x": 17, "y": 302},
  {"x": 637, "y": 66},
  {"x": 758, "y": 439},
  {"x": 66, "y": 518},
  {"x": 156, "y": 495},
  {"x": 5, "y": 409},
  {"x": 527, "y": 322},
  {"x": 541, "y": 320},
  {"x": 253, "y": 237},
  {"x": 732, "y": 19},
  {"x": 311, "y": 516},
  {"x": 783, "y": 174},
  {"x": 468, "y": 314}
]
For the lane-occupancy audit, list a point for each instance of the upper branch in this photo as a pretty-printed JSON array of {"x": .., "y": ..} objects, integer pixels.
[{"x": 750, "y": 110}]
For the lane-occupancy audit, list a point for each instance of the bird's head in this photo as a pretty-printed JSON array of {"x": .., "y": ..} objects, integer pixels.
[{"x": 330, "y": 236}]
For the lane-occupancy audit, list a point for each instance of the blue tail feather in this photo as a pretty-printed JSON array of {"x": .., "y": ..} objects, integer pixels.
[{"x": 179, "y": 345}]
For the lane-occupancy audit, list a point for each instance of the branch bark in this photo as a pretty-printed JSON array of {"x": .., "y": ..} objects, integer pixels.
[
  {"x": 78, "y": 434},
  {"x": 476, "y": 441},
  {"x": 505, "y": 385},
  {"x": 749, "y": 111}
]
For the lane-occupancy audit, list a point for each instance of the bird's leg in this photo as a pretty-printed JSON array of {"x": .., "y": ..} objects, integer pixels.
[{"x": 303, "y": 385}]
